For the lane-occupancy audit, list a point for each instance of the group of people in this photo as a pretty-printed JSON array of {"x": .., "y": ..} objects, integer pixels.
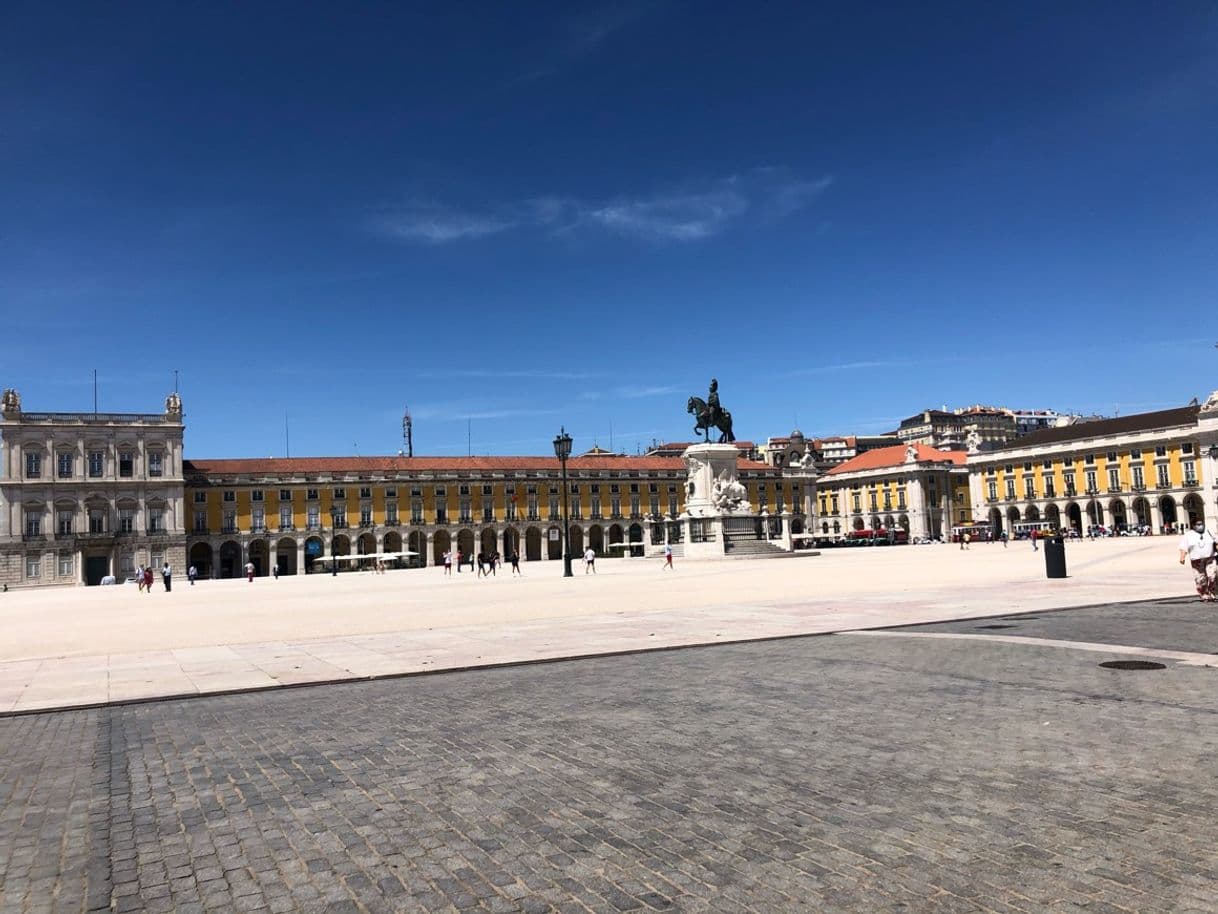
[
  {"x": 144, "y": 577},
  {"x": 488, "y": 563}
]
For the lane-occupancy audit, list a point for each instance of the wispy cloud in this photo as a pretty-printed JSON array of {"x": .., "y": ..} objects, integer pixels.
[
  {"x": 538, "y": 374},
  {"x": 847, "y": 366},
  {"x": 628, "y": 393},
  {"x": 681, "y": 214}
]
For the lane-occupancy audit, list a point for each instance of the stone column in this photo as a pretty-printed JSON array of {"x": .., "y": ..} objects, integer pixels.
[{"x": 300, "y": 557}]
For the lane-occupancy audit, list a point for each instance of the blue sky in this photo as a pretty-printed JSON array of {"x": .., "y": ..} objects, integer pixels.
[{"x": 514, "y": 217}]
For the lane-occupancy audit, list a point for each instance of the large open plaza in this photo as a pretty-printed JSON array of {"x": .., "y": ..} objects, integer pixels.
[{"x": 985, "y": 764}]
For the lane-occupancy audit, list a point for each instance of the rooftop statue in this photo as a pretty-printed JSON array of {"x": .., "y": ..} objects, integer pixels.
[
  {"x": 10, "y": 402},
  {"x": 709, "y": 414}
]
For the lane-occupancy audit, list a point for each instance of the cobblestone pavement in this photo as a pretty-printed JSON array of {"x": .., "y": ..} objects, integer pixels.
[
  {"x": 826, "y": 774},
  {"x": 1176, "y": 624}
]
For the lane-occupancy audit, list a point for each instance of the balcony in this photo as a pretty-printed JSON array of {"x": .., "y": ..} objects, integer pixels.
[
  {"x": 1163, "y": 485},
  {"x": 287, "y": 528},
  {"x": 1191, "y": 483},
  {"x": 33, "y": 537},
  {"x": 229, "y": 530},
  {"x": 392, "y": 522},
  {"x": 199, "y": 531},
  {"x": 1114, "y": 490},
  {"x": 258, "y": 528},
  {"x": 1138, "y": 488}
]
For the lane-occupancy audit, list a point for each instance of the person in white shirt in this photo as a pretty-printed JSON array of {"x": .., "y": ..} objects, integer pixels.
[
  {"x": 590, "y": 560},
  {"x": 1197, "y": 548}
]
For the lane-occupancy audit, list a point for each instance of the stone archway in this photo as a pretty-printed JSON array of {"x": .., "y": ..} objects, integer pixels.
[
  {"x": 441, "y": 543},
  {"x": 393, "y": 541},
  {"x": 596, "y": 540},
  {"x": 616, "y": 535},
  {"x": 1032, "y": 514},
  {"x": 532, "y": 544},
  {"x": 366, "y": 544},
  {"x": 511, "y": 542},
  {"x": 859, "y": 523},
  {"x": 487, "y": 541},
  {"x": 230, "y": 559},
  {"x": 1141, "y": 511},
  {"x": 417, "y": 543},
  {"x": 1053, "y": 515},
  {"x": 260, "y": 556},
  {"x": 1012, "y": 517},
  {"x": 1074, "y": 514},
  {"x": 200, "y": 557},
  {"x": 1194, "y": 508},
  {"x": 1120, "y": 518},
  {"x": 285, "y": 555},
  {"x": 465, "y": 542},
  {"x": 903, "y": 521},
  {"x": 577, "y": 541},
  {"x": 554, "y": 542},
  {"x": 314, "y": 548},
  {"x": 996, "y": 526},
  {"x": 340, "y": 544},
  {"x": 1167, "y": 509}
]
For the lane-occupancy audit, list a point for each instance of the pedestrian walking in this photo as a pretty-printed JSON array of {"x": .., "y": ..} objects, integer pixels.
[
  {"x": 514, "y": 558},
  {"x": 1197, "y": 548},
  {"x": 191, "y": 574},
  {"x": 1032, "y": 537},
  {"x": 275, "y": 572},
  {"x": 495, "y": 562},
  {"x": 481, "y": 564},
  {"x": 1004, "y": 539},
  {"x": 590, "y": 560},
  {"x": 668, "y": 556},
  {"x": 148, "y": 579},
  {"x": 964, "y": 541},
  {"x": 167, "y": 577},
  {"x": 448, "y": 562},
  {"x": 139, "y": 576},
  {"x": 249, "y": 572},
  {"x": 460, "y": 560}
]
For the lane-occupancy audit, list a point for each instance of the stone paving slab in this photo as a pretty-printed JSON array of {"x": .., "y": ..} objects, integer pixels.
[{"x": 831, "y": 775}]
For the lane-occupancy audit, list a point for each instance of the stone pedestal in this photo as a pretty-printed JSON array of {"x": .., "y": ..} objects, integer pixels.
[{"x": 711, "y": 471}]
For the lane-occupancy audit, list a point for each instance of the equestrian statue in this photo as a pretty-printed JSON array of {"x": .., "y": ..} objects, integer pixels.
[{"x": 709, "y": 414}]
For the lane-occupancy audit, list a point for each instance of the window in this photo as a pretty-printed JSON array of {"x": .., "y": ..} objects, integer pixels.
[
  {"x": 1092, "y": 487},
  {"x": 97, "y": 464},
  {"x": 1009, "y": 468},
  {"x": 258, "y": 520},
  {"x": 654, "y": 505},
  {"x": 1187, "y": 447},
  {"x": 1114, "y": 479},
  {"x": 465, "y": 509},
  {"x": 365, "y": 515},
  {"x": 338, "y": 517},
  {"x": 340, "y": 494},
  {"x": 463, "y": 490},
  {"x": 857, "y": 505},
  {"x": 1160, "y": 450},
  {"x": 365, "y": 491},
  {"x": 1135, "y": 455},
  {"x": 285, "y": 494},
  {"x": 1027, "y": 467},
  {"x": 391, "y": 513},
  {"x": 33, "y": 566},
  {"x": 63, "y": 522},
  {"x": 97, "y": 520},
  {"x": 311, "y": 494},
  {"x": 1139, "y": 479},
  {"x": 156, "y": 521},
  {"x": 256, "y": 495},
  {"x": 33, "y": 523},
  {"x": 615, "y": 505},
  {"x": 33, "y": 465},
  {"x": 126, "y": 564},
  {"x": 1029, "y": 488},
  {"x": 416, "y": 512},
  {"x": 126, "y": 464},
  {"x": 391, "y": 491},
  {"x": 285, "y": 517},
  {"x": 441, "y": 492},
  {"x": 200, "y": 498},
  {"x": 1190, "y": 472},
  {"x": 486, "y": 490},
  {"x": 901, "y": 499},
  {"x": 63, "y": 465},
  {"x": 1047, "y": 465},
  {"x": 313, "y": 517},
  {"x": 1010, "y": 487},
  {"x": 1111, "y": 456},
  {"x": 416, "y": 492},
  {"x": 553, "y": 506},
  {"x": 1050, "y": 491},
  {"x": 230, "y": 522},
  {"x": 488, "y": 512},
  {"x": 156, "y": 463},
  {"x": 126, "y": 520},
  {"x": 441, "y": 514},
  {"x": 1068, "y": 476},
  {"x": 634, "y": 504},
  {"x": 200, "y": 522},
  {"x": 993, "y": 484},
  {"x": 158, "y": 559},
  {"x": 230, "y": 495},
  {"x": 1163, "y": 481},
  {"x": 596, "y": 502},
  {"x": 66, "y": 565}
]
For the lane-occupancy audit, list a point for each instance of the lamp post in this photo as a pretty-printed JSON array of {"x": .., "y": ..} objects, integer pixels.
[{"x": 562, "y": 450}]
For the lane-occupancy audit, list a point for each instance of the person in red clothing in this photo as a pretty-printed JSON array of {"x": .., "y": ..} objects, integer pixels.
[{"x": 148, "y": 579}]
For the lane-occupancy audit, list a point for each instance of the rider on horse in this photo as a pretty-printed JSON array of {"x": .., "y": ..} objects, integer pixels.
[{"x": 713, "y": 411}]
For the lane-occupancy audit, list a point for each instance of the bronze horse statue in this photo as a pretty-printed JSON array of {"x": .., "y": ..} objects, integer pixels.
[{"x": 705, "y": 422}]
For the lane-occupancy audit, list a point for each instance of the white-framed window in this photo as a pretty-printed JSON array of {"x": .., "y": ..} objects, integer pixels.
[
  {"x": 200, "y": 522},
  {"x": 416, "y": 512},
  {"x": 1068, "y": 476},
  {"x": 441, "y": 513},
  {"x": 311, "y": 494},
  {"x": 126, "y": 464},
  {"x": 258, "y": 519},
  {"x": 229, "y": 495},
  {"x": 1089, "y": 475},
  {"x": 158, "y": 559},
  {"x": 64, "y": 522},
  {"x": 615, "y": 506},
  {"x": 33, "y": 567},
  {"x": 97, "y": 464},
  {"x": 256, "y": 495},
  {"x": 391, "y": 491},
  {"x": 126, "y": 564},
  {"x": 285, "y": 517},
  {"x": 488, "y": 512},
  {"x": 487, "y": 490},
  {"x": 67, "y": 565},
  {"x": 993, "y": 486},
  {"x": 1187, "y": 447},
  {"x": 126, "y": 520},
  {"x": 1114, "y": 478},
  {"x": 1160, "y": 450},
  {"x": 1029, "y": 487},
  {"x": 156, "y": 520},
  {"x": 391, "y": 512},
  {"x": 97, "y": 520},
  {"x": 33, "y": 523},
  {"x": 596, "y": 502},
  {"x": 1049, "y": 488},
  {"x": 200, "y": 498},
  {"x": 313, "y": 517},
  {"x": 1139, "y": 478},
  {"x": 33, "y": 465},
  {"x": 1010, "y": 487},
  {"x": 635, "y": 508},
  {"x": 1190, "y": 471},
  {"x": 365, "y": 515},
  {"x": 156, "y": 463},
  {"x": 63, "y": 465},
  {"x": 230, "y": 522},
  {"x": 285, "y": 494},
  {"x": 339, "y": 494},
  {"x": 365, "y": 491}
]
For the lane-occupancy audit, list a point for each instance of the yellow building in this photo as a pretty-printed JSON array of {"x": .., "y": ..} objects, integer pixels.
[
  {"x": 286, "y": 513},
  {"x": 1147, "y": 472},
  {"x": 914, "y": 488}
]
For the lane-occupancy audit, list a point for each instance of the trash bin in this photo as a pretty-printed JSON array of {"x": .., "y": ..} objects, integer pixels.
[{"x": 1055, "y": 557}]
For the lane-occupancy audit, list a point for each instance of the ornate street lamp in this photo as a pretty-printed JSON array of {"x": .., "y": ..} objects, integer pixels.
[{"x": 562, "y": 450}]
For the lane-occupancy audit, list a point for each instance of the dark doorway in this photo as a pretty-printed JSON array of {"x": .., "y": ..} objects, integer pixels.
[{"x": 96, "y": 568}]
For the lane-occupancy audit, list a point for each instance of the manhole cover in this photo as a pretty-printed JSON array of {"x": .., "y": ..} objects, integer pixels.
[
  {"x": 992, "y": 627},
  {"x": 1133, "y": 665}
]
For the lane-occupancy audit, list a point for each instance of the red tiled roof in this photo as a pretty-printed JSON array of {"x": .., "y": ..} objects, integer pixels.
[
  {"x": 894, "y": 456},
  {"x": 313, "y": 466}
]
